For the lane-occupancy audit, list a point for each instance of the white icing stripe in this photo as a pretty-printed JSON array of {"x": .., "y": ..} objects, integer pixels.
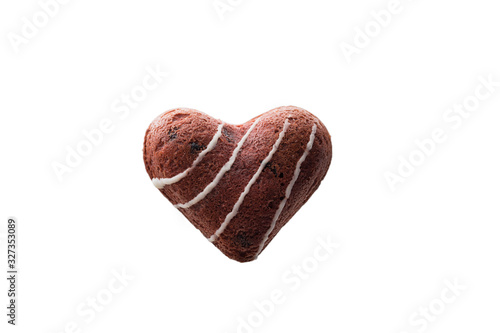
[
  {"x": 236, "y": 207},
  {"x": 288, "y": 189},
  {"x": 161, "y": 182},
  {"x": 221, "y": 173}
]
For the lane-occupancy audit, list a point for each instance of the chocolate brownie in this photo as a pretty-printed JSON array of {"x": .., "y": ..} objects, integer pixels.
[{"x": 238, "y": 184}]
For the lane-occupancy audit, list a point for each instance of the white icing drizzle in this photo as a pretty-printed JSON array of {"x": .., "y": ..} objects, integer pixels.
[
  {"x": 161, "y": 182},
  {"x": 288, "y": 190},
  {"x": 236, "y": 207},
  {"x": 221, "y": 173}
]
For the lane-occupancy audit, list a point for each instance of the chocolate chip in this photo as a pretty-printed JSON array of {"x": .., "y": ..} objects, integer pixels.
[
  {"x": 271, "y": 167},
  {"x": 172, "y": 133},
  {"x": 242, "y": 240},
  {"x": 196, "y": 147},
  {"x": 227, "y": 134}
]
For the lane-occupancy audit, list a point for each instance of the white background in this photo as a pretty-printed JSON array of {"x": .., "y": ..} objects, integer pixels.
[{"x": 397, "y": 247}]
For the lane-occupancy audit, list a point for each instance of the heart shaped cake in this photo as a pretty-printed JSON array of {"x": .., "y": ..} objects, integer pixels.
[{"x": 238, "y": 184}]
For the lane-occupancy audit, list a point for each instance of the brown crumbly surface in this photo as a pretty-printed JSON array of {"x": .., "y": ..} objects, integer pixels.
[{"x": 174, "y": 140}]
